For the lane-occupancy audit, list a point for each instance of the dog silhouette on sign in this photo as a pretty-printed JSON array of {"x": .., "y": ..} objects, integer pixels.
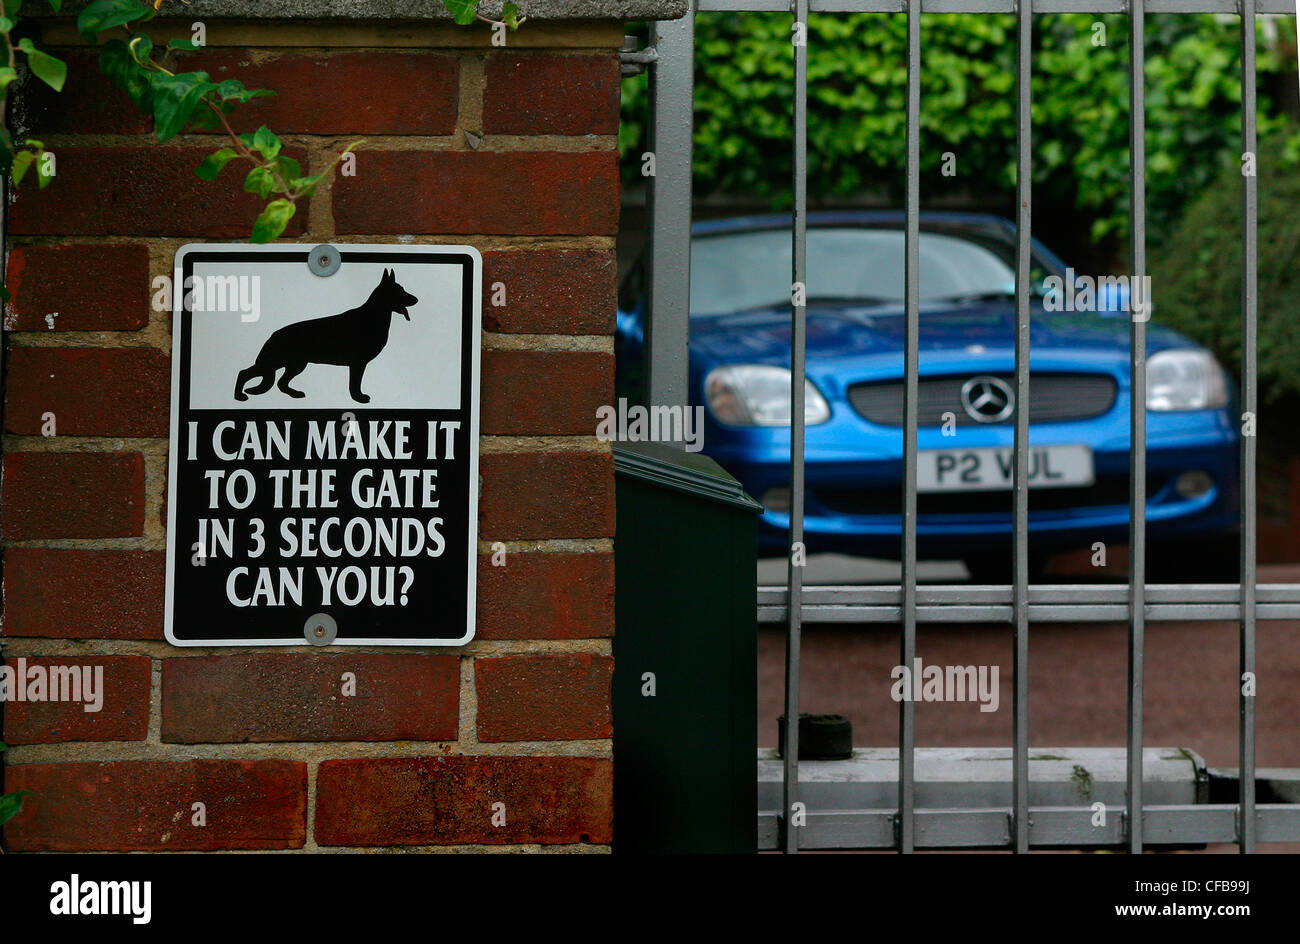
[{"x": 352, "y": 339}]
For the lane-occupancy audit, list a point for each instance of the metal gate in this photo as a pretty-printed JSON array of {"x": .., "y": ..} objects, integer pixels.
[{"x": 667, "y": 334}]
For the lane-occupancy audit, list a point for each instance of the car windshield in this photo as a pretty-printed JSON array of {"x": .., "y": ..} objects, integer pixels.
[{"x": 733, "y": 272}]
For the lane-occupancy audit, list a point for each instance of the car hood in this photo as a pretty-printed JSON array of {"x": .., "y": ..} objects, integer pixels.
[{"x": 844, "y": 333}]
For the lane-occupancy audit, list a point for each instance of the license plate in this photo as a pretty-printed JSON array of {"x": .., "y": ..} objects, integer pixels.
[{"x": 989, "y": 469}]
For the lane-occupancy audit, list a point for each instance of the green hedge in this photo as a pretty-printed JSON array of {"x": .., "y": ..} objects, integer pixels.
[
  {"x": 857, "y": 88},
  {"x": 1196, "y": 273}
]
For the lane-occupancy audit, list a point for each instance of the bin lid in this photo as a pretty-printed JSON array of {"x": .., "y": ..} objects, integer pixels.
[{"x": 691, "y": 472}]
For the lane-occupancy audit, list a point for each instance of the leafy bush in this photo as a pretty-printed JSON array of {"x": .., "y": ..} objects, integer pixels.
[
  {"x": 1196, "y": 273},
  {"x": 857, "y": 93}
]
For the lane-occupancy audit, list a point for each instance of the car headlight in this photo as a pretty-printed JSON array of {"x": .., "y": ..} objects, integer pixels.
[
  {"x": 1185, "y": 380},
  {"x": 759, "y": 395}
]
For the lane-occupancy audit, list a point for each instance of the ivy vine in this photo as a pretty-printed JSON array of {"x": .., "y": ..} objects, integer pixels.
[{"x": 178, "y": 101}]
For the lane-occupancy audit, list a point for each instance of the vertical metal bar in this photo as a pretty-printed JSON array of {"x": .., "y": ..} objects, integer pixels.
[
  {"x": 911, "y": 363},
  {"x": 1249, "y": 304},
  {"x": 1020, "y": 511},
  {"x": 1137, "y": 420},
  {"x": 668, "y": 205},
  {"x": 798, "y": 336}
]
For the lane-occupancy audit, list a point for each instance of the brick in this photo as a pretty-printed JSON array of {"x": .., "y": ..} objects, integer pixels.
[
  {"x": 544, "y": 698},
  {"x": 73, "y": 594},
  {"x": 341, "y": 92},
  {"x": 72, "y": 495},
  {"x": 551, "y": 291},
  {"x": 144, "y": 191},
  {"x": 90, "y": 391},
  {"x": 547, "y": 93},
  {"x": 86, "y": 288},
  {"x": 123, "y": 699},
  {"x": 572, "y": 384},
  {"x": 546, "y": 596},
  {"x": 287, "y": 697},
  {"x": 89, "y": 104},
  {"x": 465, "y": 192},
  {"x": 448, "y": 800},
  {"x": 546, "y": 495},
  {"x": 146, "y": 805}
]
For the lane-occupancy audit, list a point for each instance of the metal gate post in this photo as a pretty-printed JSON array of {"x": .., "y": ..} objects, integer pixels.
[
  {"x": 1020, "y": 504},
  {"x": 668, "y": 203},
  {"x": 1249, "y": 250},
  {"x": 1137, "y": 420},
  {"x": 911, "y": 361},
  {"x": 798, "y": 336}
]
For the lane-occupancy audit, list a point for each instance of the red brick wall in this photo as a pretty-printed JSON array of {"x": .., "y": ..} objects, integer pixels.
[{"x": 512, "y": 150}]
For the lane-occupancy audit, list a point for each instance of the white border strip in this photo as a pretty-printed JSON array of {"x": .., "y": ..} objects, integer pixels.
[{"x": 475, "y": 342}]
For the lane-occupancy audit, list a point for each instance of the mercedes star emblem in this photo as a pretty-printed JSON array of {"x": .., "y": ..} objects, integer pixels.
[{"x": 987, "y": 399}]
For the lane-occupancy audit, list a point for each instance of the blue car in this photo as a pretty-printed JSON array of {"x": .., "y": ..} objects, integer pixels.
[{"x": 1079, "y": 395}]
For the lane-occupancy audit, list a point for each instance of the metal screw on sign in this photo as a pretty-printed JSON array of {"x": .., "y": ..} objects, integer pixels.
[
  {"x": 324, "y": 260},
  {"x": 321, "y": 629}
]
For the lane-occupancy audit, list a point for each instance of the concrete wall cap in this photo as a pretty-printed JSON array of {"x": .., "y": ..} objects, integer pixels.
[{"x": 411, "y": 10}]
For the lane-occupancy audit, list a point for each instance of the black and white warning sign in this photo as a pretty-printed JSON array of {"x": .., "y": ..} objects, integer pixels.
[{"x": 323, "y": 470}]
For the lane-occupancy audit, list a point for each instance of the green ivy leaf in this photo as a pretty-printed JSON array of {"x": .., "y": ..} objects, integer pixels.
[
  {"x": 264, "y": 140},
  {"x": 141, "y": 49},
  {"x": 22, "y": 163},
  {"x": 175, "y": 97},
  {"x": 510, "y": 16},
  {"x": 6, "y": 24},
  {"x": 204, "y": 119},
  {"x": 260, "y": 181},
  {"x": 116, "y": 62},
  {"x": 103, "y": 15},
  {"x": 462, "y": 11},
  {"x": 288, "y": 167},
  {"x": 183, "y": 45},
  {"x": 213, "y": 163},
  {"x": 57, "y": 5},
  {"x": 7, "y": 75},
  {"x": 232, "y": 90},
  {"x": 49, "y": 69},
  {"x": 11, "y": 804},
  {"x": 273, "y": 220},
  {"x": 304, "y": 186}
]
